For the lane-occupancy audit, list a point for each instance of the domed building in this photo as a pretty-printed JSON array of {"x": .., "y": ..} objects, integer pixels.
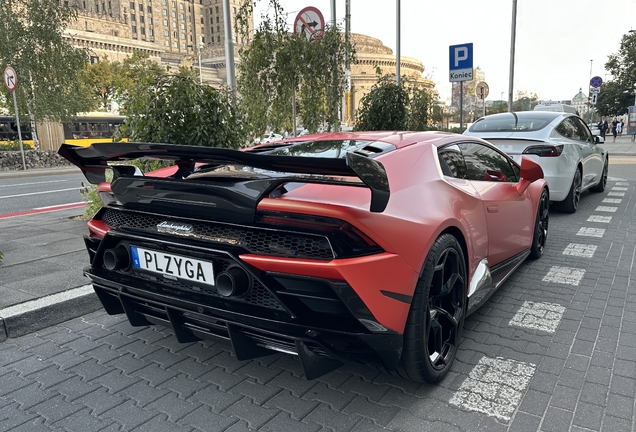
[
  {"x": 372, "y": 53},
  {"x": 580, "y": 102}
]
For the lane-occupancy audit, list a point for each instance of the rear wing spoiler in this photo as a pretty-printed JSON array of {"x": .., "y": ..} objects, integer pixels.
[{"x": 93, "y": 161}]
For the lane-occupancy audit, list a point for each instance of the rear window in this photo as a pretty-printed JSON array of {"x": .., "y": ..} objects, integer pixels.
[
  {"x": 513, "y": 122},
  {"x": 326, "y": 149}
]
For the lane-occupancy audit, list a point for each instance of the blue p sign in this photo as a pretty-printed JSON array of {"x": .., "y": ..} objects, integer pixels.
[{"x": 461, "y": 56}]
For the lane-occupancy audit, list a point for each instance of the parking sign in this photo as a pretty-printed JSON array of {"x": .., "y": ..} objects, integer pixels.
[{"x": 461, "y": 62}]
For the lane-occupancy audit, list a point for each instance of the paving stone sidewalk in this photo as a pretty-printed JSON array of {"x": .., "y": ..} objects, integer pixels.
[{"x": 553, "y": 350}]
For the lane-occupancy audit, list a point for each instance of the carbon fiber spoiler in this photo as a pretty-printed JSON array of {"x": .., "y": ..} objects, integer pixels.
[{"x": 93, "y": 161}]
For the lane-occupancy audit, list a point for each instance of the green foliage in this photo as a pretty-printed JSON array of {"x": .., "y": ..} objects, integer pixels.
[
  {"x": 613, "y": 99},
  {"x": 525, "y": 101},
  {"x": 93, "y": 201},
  {"x": 47, "y": 66},
  {"x": 389, "y": 106},
  {"x": 13, "y": 146},
  {"x": 1, "y": 256},
  {"x": 278, "y": 63},
  {"x": 176, "y": 109},
  {"x": 114, "y": 81}
]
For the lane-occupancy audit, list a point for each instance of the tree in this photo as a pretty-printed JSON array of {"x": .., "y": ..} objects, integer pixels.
[
  {"x": 279, "y": 68},
  {"x": 613, "y": 99},
  {"x": 392, "y": 106},
  {"x": 525, "y": 101},
  {"x": 113, "y": 81},
  {"x": 622, "y": 66},
  {"x": 47, "y": 66},
  {"x": 176, "y": 109},
  {"x": 385, "y": 107}
]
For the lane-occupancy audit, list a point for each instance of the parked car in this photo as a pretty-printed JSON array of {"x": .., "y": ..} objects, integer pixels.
[
  {"x": 371, "y": 247},
  {"x": 560, "y": 142},
  {"x": 268, "y": 137}
]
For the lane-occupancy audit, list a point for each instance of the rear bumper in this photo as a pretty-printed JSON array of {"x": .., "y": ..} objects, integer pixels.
[
  {"x": 320, "y": 331},
  {"x": 319, "y": 351}
]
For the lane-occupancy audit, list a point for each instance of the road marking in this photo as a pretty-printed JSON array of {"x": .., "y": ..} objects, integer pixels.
[
  {"x": 612, "y": 200},
  {"x": 601, "y": 219},
  {"x": 564, "y": 275},
  {"x": 619, "y": 188},
  {"x": 622, "y": 184},
  {"x": 43, "y": 210},
  {"x": 40, "y": 193},
  {"x": 622, "y": 160},
  {"x": 580, "y": 250},
  {"x": 34, "y": 183},
  {"x": 591, "y": 232},
  {"x": 494, "y": 387},
  {"x": 606, "y": 209},
  {"x": 538, "y": 316},
  {"x": 617, "y": 194}
]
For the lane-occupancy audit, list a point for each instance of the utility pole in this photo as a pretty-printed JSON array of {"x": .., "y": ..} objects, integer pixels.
[
  {"x": 349, "y": 93},
  {"x": 229, "y": 47},
  {"x": 397, "y": 42},
  {"x": 512, "y": 54}
]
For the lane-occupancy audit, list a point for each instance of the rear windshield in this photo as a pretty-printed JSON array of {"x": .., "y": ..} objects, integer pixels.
[
  {"x": 513, "y": 122},
  {"x": 326, "y": 149}
]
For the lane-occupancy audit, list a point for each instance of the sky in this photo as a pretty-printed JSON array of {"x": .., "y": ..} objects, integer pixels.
[{"x": 556, "y": 40}]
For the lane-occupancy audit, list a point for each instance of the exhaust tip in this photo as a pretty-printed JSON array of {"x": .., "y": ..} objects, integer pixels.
[
  {"x": 233, "y": 282},
  {"x": 115, "y": 259}
]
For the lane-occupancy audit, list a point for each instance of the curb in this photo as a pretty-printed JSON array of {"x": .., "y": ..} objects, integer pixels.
[{"x": 34, "y": 315}]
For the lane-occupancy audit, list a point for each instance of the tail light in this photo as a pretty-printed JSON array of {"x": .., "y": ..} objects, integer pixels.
[
  {"x": 346, "y": 240},
  {"x": 544, "y": 150}
]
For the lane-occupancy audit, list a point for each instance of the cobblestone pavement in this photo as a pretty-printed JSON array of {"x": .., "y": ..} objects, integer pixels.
[{"x": 554, "y": 349}]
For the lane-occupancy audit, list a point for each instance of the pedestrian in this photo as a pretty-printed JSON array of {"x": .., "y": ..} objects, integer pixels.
[
  {"x": 614, "y": 128},
  {"x": 622, "y": 126},
  {"x": 602, "y": 127},
  {"x": 619, "y": 128}
]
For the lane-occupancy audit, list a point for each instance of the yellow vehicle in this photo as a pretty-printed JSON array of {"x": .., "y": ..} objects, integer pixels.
[
  {"x": 88, "y": 129},
  {"x": 9, "y": 131}
]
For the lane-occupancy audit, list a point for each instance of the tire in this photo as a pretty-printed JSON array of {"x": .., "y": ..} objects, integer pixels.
[
  {"x": 436, "y": 318},
  {"x": 541, "y": 226},
  {"x": 571, "y": 202},
  {"x": 600, "y": 187}
]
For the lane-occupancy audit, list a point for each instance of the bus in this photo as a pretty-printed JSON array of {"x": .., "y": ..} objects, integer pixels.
[
  {"x": 83, "y": 130},
  {"x": 9, "y": 131},
  {"x": 87, "y": 129}
]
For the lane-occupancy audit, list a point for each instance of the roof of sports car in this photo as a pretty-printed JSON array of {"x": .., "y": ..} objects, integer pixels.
[{"x": 397, "y": 138}]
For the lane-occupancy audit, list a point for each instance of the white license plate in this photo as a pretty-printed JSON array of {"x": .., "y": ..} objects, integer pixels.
[{"x": 173, "y": 266}]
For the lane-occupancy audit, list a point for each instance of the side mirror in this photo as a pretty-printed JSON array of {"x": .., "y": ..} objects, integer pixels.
[
  {"x": 530, "y": 172},
  {"x": 599, "y": 139}
]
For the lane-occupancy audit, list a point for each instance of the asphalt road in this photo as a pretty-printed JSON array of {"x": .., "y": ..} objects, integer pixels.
[{"x": 34, "y": 192}]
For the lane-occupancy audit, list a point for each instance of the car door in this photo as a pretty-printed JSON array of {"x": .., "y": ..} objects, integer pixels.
[
  {"x": 509, "y": 215},
  {"x": 591, "y": 157},
  {"x": 578, "y": 136}
]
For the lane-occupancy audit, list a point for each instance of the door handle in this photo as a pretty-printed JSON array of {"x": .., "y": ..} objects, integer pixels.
[{"x": 492, "y": 208}]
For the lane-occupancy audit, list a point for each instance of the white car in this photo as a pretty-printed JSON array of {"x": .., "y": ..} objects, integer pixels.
[
  {"x": 268, "y": 137},
  {"x": 569, "y": 154}
]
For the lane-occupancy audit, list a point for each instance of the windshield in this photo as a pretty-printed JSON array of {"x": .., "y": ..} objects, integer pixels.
[{"x": 513, "y": 122}]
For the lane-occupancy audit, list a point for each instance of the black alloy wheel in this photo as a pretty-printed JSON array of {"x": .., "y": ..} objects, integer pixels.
[
  {"x": 571, "y": 202},
  {"x": 434, "y": 325},
  {"x": 541, "y": 226},
  {"x": 600, "y": 187}
]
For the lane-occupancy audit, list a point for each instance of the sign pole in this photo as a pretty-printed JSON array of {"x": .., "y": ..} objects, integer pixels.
[
  {"x": 17, "y": 121},
  {"x": 11, "y": 83},
  {"x": 461, "y": 106}
]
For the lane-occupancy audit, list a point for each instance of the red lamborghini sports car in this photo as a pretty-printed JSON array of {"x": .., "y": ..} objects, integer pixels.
[{"x": 371, "y": 247}]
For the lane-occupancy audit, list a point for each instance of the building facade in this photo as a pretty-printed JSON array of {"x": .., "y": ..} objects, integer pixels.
[
  {"x": 169, "y": 31},
  {"x": 371, "y": 54}
]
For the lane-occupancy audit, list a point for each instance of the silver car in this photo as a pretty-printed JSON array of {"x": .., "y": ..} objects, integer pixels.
[{"x": 568, "y": 152}]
